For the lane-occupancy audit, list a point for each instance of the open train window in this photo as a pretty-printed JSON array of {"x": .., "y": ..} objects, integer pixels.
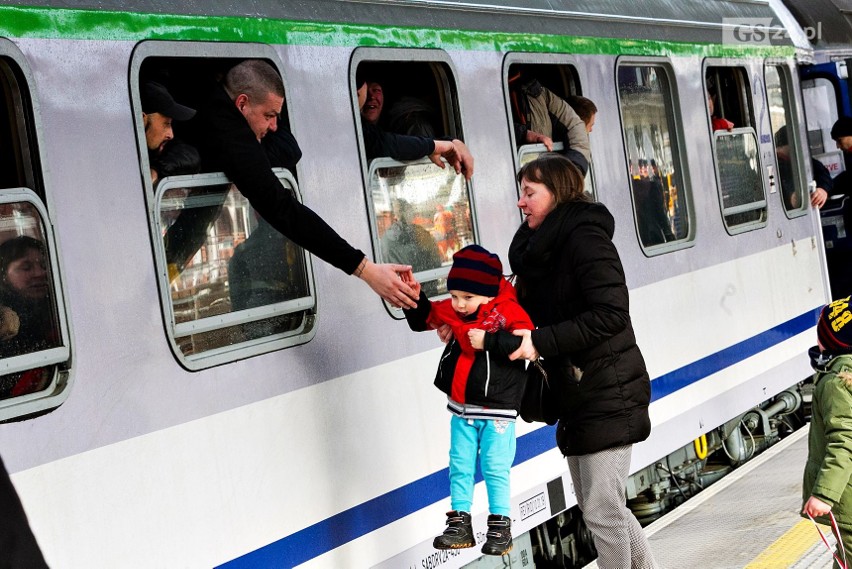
[
  {"x": 420, "y": 214},
  {"x": 784, "y": 127},
  {"x": 34, "y": 338},
  {"x": 541, "y": 97},
  {"x": 231, "y": 285},
  {"x": 735, "y": 148},
  {"x": 655, "y": 169}
]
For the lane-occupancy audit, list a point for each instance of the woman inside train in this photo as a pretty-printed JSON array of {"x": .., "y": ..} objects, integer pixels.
[
  {"x": 25, "y": 295},
  {"x": 571, "y": 282}
]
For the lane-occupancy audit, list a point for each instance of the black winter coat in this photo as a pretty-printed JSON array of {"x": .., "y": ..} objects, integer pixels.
[
  {"x": 571, "y": 282},
  {"x": 227, "y": 144}
]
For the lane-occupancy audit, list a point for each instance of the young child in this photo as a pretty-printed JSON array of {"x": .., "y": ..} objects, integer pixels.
[
  {"x": 483, "y": 388},
  {"x": 827, "y": 484}
]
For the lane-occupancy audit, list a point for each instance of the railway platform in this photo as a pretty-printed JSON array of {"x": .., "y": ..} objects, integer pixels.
[{"x": 749, "y": 519}]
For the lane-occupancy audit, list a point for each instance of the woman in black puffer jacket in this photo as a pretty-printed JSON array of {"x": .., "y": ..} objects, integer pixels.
[{"x": 571, "y": 282}]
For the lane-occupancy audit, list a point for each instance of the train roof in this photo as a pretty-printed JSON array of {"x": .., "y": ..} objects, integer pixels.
[
  {"x": 829, "y": 21},
  {"x": 672, "y": 20}
]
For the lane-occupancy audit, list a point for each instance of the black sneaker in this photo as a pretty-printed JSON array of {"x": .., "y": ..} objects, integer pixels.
[
  {"x": 459, "y": 532},
  {"x": 499, "y": 536}
]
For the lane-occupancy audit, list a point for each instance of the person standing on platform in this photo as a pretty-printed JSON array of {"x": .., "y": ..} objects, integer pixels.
[
  {"x": 571, "y": 282},
  {"x": 827, "y": 486}
]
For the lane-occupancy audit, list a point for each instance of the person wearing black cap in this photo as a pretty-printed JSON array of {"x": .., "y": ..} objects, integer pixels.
[
  {"x": 483, "y": 389},
  {"x": 827, "y": 482},
  {"x": 229, "y": 129},
  {"x": 378, "y": 142},
  {"x": 158, "y": 111}
]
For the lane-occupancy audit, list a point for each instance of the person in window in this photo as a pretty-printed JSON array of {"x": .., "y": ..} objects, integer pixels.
[
  {"x": 542, "y": 116},
  {"x": 378, "y": 142},
  {"x": 159, "y": 109},
  {"x": 229, "y": 129},
  {"x": 585, "y": 109},
  {"x": 412, "y": 116},
  {"x": 791, "y": 195},
  {"x": 716, "y": 121},
  {"x": 650, "y": 202},
  {"x": 25, "y": 290}
]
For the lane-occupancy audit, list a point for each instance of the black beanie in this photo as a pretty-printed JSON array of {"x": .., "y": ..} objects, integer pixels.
[
  {"x": 843, "y": 127},
  {"x": 475, "y": 270},
  {"x": 834, "y": 329}
]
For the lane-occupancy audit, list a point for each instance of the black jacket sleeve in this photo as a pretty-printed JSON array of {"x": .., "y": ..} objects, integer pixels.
[
  {"x": 227, "y": 143},
  {"x": 282, "y": 149},
  {"x": 417, "y": 317},
  {"x": 822, "y": 176},
  {"x": 501, "y": 342},
  {"x": 378, "y": 143}
]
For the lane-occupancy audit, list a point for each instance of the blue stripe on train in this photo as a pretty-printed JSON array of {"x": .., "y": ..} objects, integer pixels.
[{"x": 365, "y": 518}]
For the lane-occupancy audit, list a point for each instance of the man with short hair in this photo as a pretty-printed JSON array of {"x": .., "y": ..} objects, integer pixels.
[
  {"x": 158, "y": 110},
  {"x": 231, "y": 126}
]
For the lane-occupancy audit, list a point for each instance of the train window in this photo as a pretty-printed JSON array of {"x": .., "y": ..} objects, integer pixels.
[
  {"x": 233, "y": 279},
  {"x": 555, "y": 85},
  {"x": 34, "y": 338},
  {"x": 735, "y": 148},
  {"x": 786, "y": 150},
  {"x": 660, "y": 200},
  {"x": 231, "y": 285},
  {"x": 420, "y": 214}
]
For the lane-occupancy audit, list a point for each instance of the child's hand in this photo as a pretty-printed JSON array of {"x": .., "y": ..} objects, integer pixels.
[
  {"x": 816, "y": 507},
  {"x": 408, "y": 278},
  {"x": 477, "y": 338}
]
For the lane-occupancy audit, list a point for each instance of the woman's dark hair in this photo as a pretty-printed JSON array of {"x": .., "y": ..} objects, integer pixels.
[
  {"x": 558, "y": 174},
  {"x": 17, "y": 248}
]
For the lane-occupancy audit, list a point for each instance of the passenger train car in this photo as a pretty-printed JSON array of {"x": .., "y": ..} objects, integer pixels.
[{"x": 200, "y": 392}]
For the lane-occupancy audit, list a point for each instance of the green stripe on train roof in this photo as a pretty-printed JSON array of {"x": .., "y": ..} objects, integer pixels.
[{"x": 67, "y": 23}]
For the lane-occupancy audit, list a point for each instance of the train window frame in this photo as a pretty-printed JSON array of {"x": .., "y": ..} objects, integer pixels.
[
  {"x": 30, "y": 186},
  {"x": 165, "y": 49},
  {"x": 785, "y": 76},
  {"x": 573, "y": 75},
  {"x": 57, "y": 390},
  {"x": 745, "y": 71},
  {"x": 675, "y": 116},
  {"x": 223, "y": 322},
  {"x": 447, "y": 77}
]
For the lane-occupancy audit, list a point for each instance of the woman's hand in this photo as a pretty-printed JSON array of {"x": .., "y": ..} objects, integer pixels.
[
  {"x": 445, "y": 333},
  {"x": 477, "y": 338},
  {"x": 815, "y": 507},
  {"x": 527, "y": 350}
]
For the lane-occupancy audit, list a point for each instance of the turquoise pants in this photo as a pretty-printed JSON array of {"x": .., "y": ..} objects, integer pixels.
[{"x": 493, "y": 442}]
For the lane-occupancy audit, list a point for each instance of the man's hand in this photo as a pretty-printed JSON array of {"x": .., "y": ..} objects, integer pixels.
[
  {"x": 388, "y": 281},
  {"x": 445, "y": 333},
  {"x": 455, "y": 152},
  {"x": 533, "y": 137}
]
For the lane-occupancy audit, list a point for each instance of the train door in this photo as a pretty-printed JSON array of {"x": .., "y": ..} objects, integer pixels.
[{"x": 825, "y": 92}]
